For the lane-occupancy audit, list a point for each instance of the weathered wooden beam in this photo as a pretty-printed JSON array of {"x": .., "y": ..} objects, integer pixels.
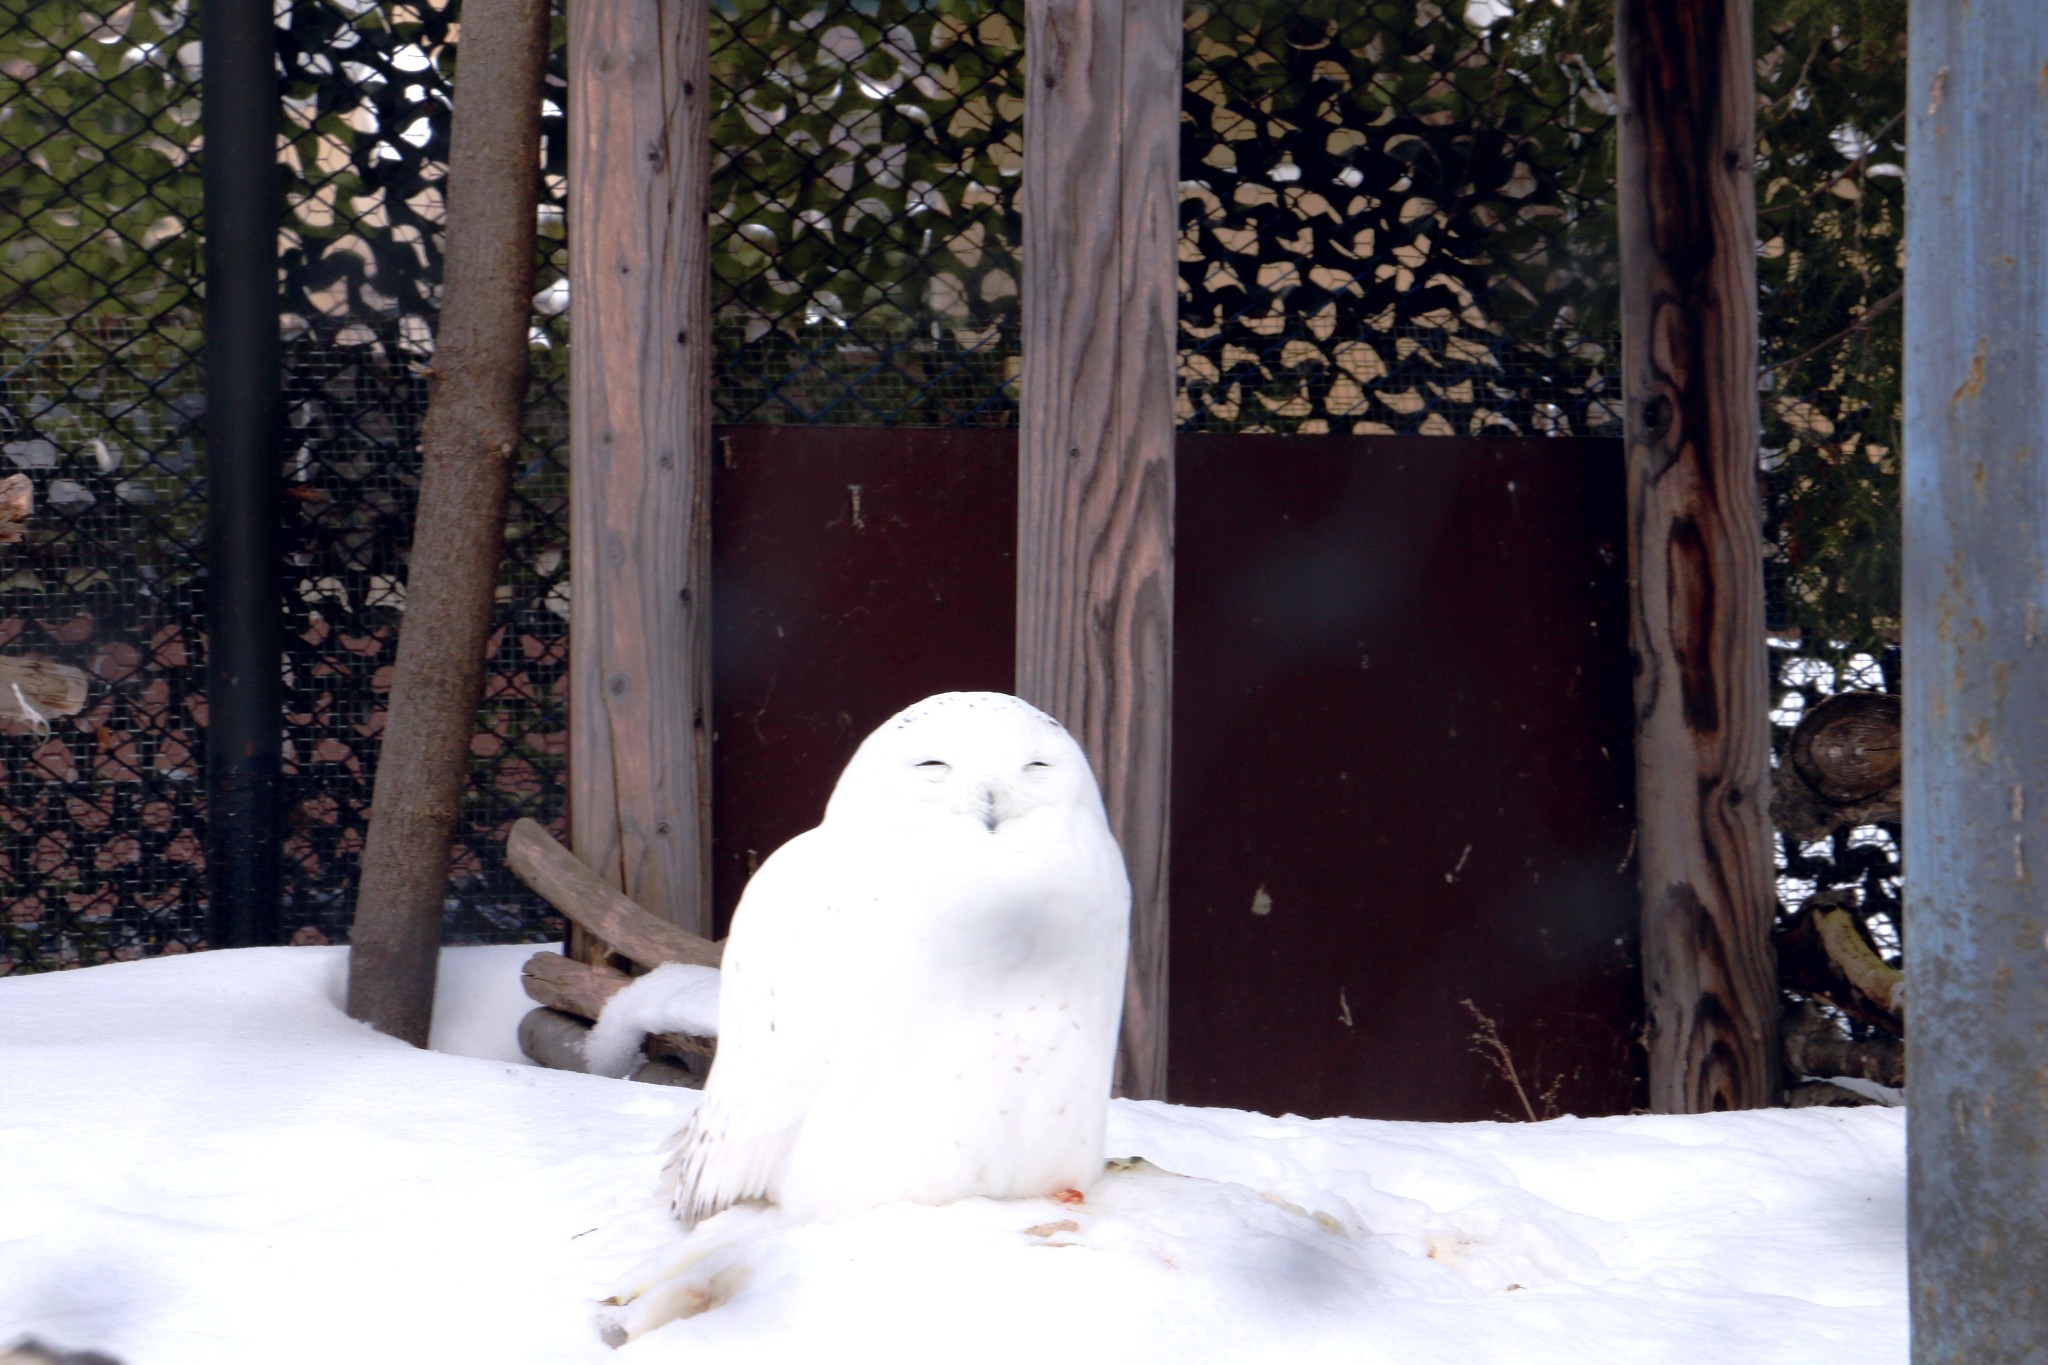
[
  {"x": 640, "y": 451},
  {"x": 1688, "y": 295},
  {"x": 1976, "y": 687},
  {"x": 604, "y": 915},
  {"x": 1095, "y": 464}
]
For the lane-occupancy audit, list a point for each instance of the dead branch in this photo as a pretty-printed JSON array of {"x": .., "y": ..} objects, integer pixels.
[
  {"x": 1824, "y": 954},
  {"x": 1487, "y": 1042},
  {"x": 569, "y": 885},
  {"x": 1815, "y": 1047},
  {"x": 1824, "y": 1095}
]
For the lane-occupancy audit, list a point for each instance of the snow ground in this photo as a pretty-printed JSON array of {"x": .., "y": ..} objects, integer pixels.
[{"x": 203, "y": 1160}]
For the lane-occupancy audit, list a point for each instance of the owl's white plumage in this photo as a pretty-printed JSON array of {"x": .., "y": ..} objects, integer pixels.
[{"x": 921, "y": 996}]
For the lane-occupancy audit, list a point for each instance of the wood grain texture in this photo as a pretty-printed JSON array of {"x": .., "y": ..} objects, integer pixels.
[
  {"x": 1095, "y": 468},
  {"x": 640, "y": 443},
  {"x": 573, "y": 987},
  {"x": 1687, "y": 207},
  {"x": 596, "y": 907}
]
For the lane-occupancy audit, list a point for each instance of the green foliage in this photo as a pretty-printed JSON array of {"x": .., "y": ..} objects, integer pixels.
[
  {"x": 863, "y": 211},
  {"x": 1831, "y": 227},
  {"x": 99, "y": 116}
]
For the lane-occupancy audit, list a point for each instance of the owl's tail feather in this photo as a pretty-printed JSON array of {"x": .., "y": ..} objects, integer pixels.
[{"x": 711, "y": 1167}]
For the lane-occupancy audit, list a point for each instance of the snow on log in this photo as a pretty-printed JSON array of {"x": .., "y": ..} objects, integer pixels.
[
  {"x": 578, "y": 989},
  {"x": 1842, "y": 767},
  {"x": 579, "y": 893},
  {"x": 555, "y": 1040}
]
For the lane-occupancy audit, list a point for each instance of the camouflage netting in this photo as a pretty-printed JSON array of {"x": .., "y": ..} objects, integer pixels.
[{"x": 1395, "y": 218}]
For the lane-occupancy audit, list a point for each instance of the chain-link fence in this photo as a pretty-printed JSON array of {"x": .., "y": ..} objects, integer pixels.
[{"x": 1395, "y": 217}]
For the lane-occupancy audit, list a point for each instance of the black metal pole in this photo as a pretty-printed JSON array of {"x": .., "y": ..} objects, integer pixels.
[{"x": 244, "y": 420}]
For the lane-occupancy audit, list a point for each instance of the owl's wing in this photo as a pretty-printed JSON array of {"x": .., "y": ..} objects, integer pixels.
[{"x": 778, "y": 997}]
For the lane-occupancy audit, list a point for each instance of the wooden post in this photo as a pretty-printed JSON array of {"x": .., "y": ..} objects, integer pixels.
[
  {"x": 1095, "y": 464},
  {"x": 640, "y": 443},
  {"x": 1688, "y": 292},
  {"x": 1976, "y": 656}
]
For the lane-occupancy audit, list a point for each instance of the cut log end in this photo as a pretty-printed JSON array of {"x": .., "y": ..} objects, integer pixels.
[{"x": 1842, "y": 767}]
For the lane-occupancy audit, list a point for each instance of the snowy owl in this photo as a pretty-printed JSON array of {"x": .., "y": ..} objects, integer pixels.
[{"x": 921, "y": 995}]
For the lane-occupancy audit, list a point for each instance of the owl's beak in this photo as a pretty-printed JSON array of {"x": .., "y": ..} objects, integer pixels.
[{"x": 989, "y": 818}]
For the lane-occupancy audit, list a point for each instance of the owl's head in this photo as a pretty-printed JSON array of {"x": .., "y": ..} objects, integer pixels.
[{"x": 983, "y": 756}]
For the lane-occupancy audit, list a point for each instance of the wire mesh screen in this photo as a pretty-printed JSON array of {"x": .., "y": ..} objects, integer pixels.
[
  {"x": 366, "y": 102},
  {"x": 866, "y": 158},
  {"x": 101, "y": 401},
  {"x": 102, "y": 854},
  {"x": 1830, "y": 225},
  {"x": 1395, "y": 218}
]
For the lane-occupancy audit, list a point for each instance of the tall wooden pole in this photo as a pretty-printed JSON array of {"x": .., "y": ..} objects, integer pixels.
[
  {"x": 467, "y": 444},
  {"x": 1976, "y": 699},
  {"x": 640, "y": 451},
  {"x": 1689, "y": 346},
  {"x": 1095, "y": 464}
]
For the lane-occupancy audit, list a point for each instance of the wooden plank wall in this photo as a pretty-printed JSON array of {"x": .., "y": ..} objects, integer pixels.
[
  {"x": 1689, "y": 345},
  {"x": 640, "y": 441},
  {"x": 1095, "y": 470}
]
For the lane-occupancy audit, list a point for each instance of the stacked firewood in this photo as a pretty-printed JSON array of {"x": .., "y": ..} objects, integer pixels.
[
  {"x": 571, "y": 993},
  {"x": 1841, "y": 770}
]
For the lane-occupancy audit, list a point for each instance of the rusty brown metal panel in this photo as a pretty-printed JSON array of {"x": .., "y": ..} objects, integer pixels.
[
  {"x": 1386, "y": 649},
  {"x": 854, "y": 570},
  {"x": 1402, "y": 776}
]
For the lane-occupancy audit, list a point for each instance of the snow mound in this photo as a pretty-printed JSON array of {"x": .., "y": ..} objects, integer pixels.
[{"x": 203, "y": 1160}]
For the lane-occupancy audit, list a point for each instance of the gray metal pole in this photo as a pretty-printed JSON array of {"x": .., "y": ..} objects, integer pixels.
[{"x": 1976, "y": 656}]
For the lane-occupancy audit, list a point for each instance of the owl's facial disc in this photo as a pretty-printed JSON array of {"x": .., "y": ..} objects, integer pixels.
[{"x": 983, "y": 756}]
